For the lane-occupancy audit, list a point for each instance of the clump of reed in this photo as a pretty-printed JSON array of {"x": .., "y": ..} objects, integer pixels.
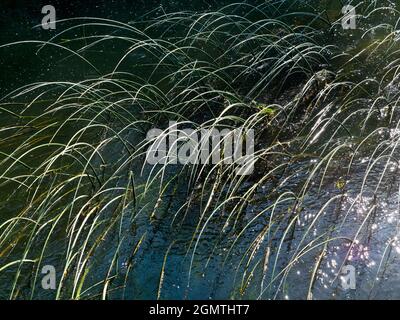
[{"x": 77, "y": 190}]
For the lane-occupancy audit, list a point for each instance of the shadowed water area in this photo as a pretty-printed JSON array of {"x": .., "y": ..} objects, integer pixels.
[{"x": 76, "y": 191}]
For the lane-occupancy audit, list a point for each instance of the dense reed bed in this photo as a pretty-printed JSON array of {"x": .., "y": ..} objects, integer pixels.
[{"x": 76, "y": 191}]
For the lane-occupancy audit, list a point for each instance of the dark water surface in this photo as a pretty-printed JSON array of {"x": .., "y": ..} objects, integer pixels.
[{"x": 215, "y": 275}]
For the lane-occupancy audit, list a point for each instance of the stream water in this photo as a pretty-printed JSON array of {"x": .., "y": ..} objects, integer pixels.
[{"x": 356, "y": 208}]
